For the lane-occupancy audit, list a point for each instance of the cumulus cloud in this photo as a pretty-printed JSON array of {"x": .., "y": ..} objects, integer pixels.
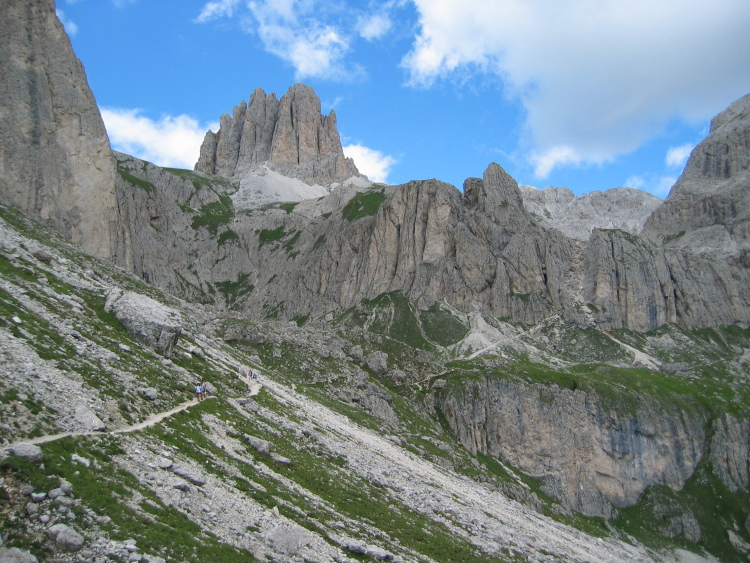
[
  {"x": 677, "y": 156},
  {"x": 657, "y": 185},
  {"x": 372, "y": 163},
  {"x": 598, "y": 77},
  {"x": 290, "y": 30},
  {"x": 172, "y": 141},
  {"x": 216, "y": 9},
  {"x": 374, "y": 26},
  {"x": 70, "y": 27}
]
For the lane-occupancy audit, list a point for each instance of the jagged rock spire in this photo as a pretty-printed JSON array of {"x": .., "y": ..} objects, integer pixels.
[{"x": 289, "y": 135}]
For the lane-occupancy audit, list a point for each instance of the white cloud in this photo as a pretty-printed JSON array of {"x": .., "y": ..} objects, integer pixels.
[
  {"x": 374, "y": 26},
  {"x": 550, "y": 159},
  {"x": 70, "y": 27},
  {"x": 171, "y": 141},
  {"x": 216, "y": 9},
  {"x": 370, "y": 162},
  {"x": 677, "y": 156},
  {"x": 598, "y": 77},
  {"x": 658, "y": 186},
  {"x": 289, "y": 31}
]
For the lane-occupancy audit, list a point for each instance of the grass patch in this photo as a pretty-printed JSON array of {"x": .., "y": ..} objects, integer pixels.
[
  {"x": 147, "y": 187},
  {"x": 267, "y": 236},
  {"x": 214, "y": 214},
  {"x": 363, "y": 204},
  {"x": 227, "y": 236}
]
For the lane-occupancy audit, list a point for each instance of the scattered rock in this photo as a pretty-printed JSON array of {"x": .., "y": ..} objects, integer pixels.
[
  {"x": 15, "y": 555},
  {"x": 164, "y": 463},
  {"x": 261, "y": 446},
  {"x": 86, "y": 417},
  {"x": 75, "y": 458},
  {"x": 188, "y": 475},
  {"x": 378, "y": 362},
  {"x": 146, "y": 320},
  {"x": 280, "y": 459},
  {"x": 66, "y": 537},
  {"x": 150, "y": 393}
]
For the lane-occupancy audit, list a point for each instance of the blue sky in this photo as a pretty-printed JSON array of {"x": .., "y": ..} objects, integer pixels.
[{"x": 586, "y": 94}]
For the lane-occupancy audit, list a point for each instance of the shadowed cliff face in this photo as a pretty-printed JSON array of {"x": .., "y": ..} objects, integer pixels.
[{"x": 55, "y": 161}]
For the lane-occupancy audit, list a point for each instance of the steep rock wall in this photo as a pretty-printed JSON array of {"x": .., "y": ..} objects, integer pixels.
[
  {"x": 590, "y": 455},
  {"x": 55, "y": 159}
]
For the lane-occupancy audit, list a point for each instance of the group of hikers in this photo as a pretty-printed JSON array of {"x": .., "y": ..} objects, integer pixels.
[{"x": 247, "y": 374}]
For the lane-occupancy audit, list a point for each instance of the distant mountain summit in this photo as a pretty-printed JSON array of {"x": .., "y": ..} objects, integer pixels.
[{"x": 290, "y": 137}]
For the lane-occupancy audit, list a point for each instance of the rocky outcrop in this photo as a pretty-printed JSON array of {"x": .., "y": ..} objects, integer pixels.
[
  {"x": 625, "y": 209},
  {"x": 147, "y": 320},
  {"x": 709, "y": 206},
  {"x": 55, "y": 159},
  {"x": 590, "y": 454},
  {"x": 289, "y": 135}
]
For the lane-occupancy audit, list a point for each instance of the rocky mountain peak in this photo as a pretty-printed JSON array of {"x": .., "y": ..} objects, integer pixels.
[
  {"x": 709, "y": 206},
  {"x": 290, "y": 136}
]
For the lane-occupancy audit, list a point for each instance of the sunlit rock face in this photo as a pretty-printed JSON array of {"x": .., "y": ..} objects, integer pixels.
[{"x": 55, "y": 158}]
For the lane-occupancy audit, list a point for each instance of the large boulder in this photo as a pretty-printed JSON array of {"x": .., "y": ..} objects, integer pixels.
[
  {"x": 28, "y": 452},
  {"x": 147, "y": 320},
  {"x": 15, "y": 555}
]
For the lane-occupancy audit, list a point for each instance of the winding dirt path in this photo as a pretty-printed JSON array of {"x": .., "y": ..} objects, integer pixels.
[
  {"x": 150, "y": 421},
  {"x": 254, "y": 389}
]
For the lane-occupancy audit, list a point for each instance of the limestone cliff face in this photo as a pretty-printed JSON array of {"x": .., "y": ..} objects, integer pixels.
[
  {"x": 710, "y": 203},
  {"x": 590, "y": 455},
  {"x": 625, "y": 209},
  {"x": 289, "y": 135},
  {"x": 55, "y": 159}
]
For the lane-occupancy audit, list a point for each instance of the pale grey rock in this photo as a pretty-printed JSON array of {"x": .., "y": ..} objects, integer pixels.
[
  {"x": 378, "y": 362},
  {"x": 88, "y": 418},
  {"x": 590, "y": 457},
  {"x": 146, "y": 320},
  {"x": 66, "y": 487},
  {"x": 28, "y": 452},
  {"x": 38, "y": 497},
  {"x": 75, "y": 458},
  {"x": 357, "y": 354},
  {"x": 625, "y": 209},
  {"x": 150, "y": 393},
  {"x": 439, "y": 384},
  {"x": 288, "y": 135},
  {"x": 378, "y": 553},
  {"x": 69, "y": 540},
  {"x": 55, "y": 493},
  {"x": 65, "y": 537},
  {"x": 261, "y": 446},
  {"x": 180, "y": 485},
  {"x": 55, "y": 158},
  {"x": 356, "y": 546},
  {"x": 188, "y": 475},
  {"x": 398, "y": 376},
  {"x": 16, "y": 555},
  {"x": 280, "y": 459},
  {"x": 730, "y": 451},
  {"x": 712, "y": 190},
  {"x": 164, "y": 463}
]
